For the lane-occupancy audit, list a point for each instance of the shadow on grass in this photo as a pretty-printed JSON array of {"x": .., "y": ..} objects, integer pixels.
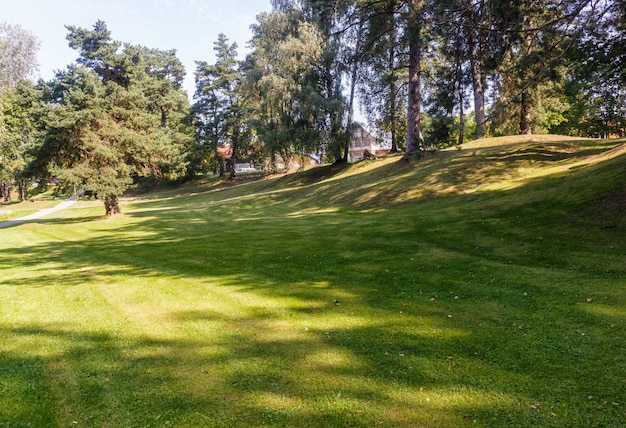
[
  {"x": 271, "y": 312},
  {"x": 236, "y": 378},
  {"x": 398, "y": 348}
]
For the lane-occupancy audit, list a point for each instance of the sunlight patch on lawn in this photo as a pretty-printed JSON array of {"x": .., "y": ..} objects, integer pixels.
[
  {"x": 604, "y": 310},
  {"x": 275, "y": 401},
  {"x": 334, "y": 358},
  {"x": 464, "y": 402},
  {"x": 515, "y": 139},
  {"x": 312, "y": 211}
]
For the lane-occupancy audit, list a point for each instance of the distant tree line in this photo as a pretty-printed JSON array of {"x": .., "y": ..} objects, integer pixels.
[{"x": 428, "y": 73}]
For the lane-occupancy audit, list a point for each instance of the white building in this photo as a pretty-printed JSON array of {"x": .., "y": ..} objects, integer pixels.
[{"x": 363, "y": 140}]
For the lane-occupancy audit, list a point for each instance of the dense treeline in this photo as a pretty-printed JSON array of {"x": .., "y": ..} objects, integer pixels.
[{"x": 426, "y": 73}]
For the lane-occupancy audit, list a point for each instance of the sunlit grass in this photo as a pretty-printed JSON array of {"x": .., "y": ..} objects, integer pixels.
[{"x": 482, "y": 288}]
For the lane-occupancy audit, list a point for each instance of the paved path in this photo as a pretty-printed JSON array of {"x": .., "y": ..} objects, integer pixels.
[{"x": 65, "y": 204}]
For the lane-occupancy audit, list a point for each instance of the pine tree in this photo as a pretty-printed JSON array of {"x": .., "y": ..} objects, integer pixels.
[
  {"x": 220, "y": 108},
  {"x": 114, "y": 118}
]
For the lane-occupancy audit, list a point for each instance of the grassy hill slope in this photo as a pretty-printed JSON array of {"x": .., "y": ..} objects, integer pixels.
[{"x": 480, "y": 286}]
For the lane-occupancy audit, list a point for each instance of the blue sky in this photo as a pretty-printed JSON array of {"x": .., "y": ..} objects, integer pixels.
[{"x": 189, "y": 26}]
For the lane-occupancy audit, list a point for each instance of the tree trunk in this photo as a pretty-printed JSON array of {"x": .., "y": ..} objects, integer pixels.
[
  {"x": 526, "y": 101},
  {"x": 163, "y": 117},
  {"x": 413, "y": 132},
  {"x": 353, "y": 79},
  {"x": 112, "y": 205},
  {"x": 459, "y": 86},
  {"x": 5, "y": 191},
  {"x": 391, "y": 64},
  {"x": 233, "y": 157},
  {"x": 221, "y": 160},
  {"x": 525, "y": 109},
  {"x": 477, "y": 86},
  {"x": 461, "y": 139},
  {"x": 21, "y": 183}
]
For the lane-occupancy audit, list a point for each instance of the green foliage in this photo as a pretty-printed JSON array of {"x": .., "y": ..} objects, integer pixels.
[
  {"x": 549, "y": 109},
  {"x": 546, "y": 66},
  {"x": 594, "y": 86},
  {"x": 281, "y": 68},
  {"x": 84, "y": 134},
  {"x": 221, "y": 110},
  {"x": 18, "y": 50},
  {"x": 114, "y": 119},
  {"x": 17, "y": 137},
  {"x": 439, "y": 130},
  {"x": 97, "y": 51},
  {"x": 383, "y": 74}
]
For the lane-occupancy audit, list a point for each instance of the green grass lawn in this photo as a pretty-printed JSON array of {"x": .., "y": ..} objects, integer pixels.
[{"x": 484, "y": 286}]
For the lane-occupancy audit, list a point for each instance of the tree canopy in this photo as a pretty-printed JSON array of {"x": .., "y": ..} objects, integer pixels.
[
  {"x": 114, "y": 118},
  {"x": 426, "y": 73}
]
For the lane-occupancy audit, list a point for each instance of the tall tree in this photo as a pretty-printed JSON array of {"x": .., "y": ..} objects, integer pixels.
[
  {"x": 384, "y": 83},
  {"x": 114, "y": 118},
  {"x": 337, "y": 64},
  {"x": 220, "y": 106},
  {"x": 484, "y": 25},
  {"x": 446, "y": 82},
  {"x": 156, "y": 77},
  {"x": 595, "y": 85},
  {"x": 531, "y": 73},
  {"x": 18, "y": 137},
  {"x": 83, "y": 143},
  {"x": 468, "y": 40},
  {"x": 354, "y": 62},
  {"x": 476, "y": 49},
  {"x": 414, "y": 26},
  {"x": 411, "y": 16},
  {"x": 283, "y": 70},
  {"x": 18, "y": 53}
]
